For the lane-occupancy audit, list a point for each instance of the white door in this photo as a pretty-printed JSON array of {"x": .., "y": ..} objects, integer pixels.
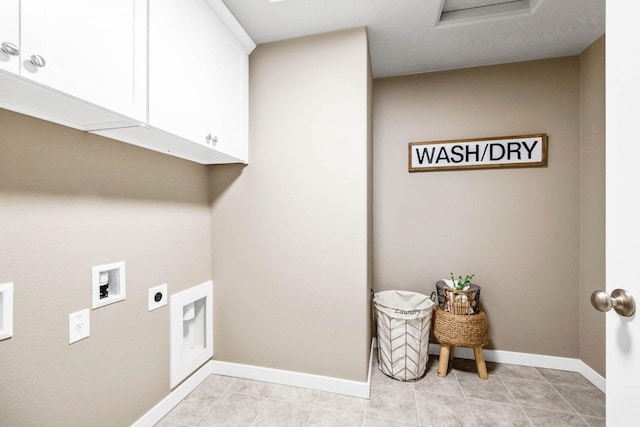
[
  {"x": 92, "y": 49},
  {"x": 622, "y": 214},
  {"x": 9, "y": 35}
]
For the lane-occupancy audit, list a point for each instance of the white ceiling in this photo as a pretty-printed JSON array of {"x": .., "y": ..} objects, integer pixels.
[{"x": 404, "y": 38}]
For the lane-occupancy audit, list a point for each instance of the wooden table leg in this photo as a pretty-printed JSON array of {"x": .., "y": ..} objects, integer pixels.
[
  {"x": 482, "y": 367},
  {"x": 451, "y": 351},
  {"x": 443, "y": 363}
]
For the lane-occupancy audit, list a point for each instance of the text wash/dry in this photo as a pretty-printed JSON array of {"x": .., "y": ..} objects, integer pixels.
[
  {"x": 501, "y": 152},
  {"x": 476, "y": 153}
]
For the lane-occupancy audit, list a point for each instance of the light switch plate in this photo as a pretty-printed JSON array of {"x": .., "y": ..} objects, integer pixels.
[
  {"x": 157, "y": 297},
  {"x": 79, "y": 325}
]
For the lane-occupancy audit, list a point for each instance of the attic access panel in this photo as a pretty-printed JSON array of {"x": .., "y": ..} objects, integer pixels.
[{"x": 465, "y": 10}]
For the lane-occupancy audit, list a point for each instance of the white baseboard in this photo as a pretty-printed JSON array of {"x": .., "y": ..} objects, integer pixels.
[
  {"x": 176, "y": 395},
  {"x": 297, "y": 379},
  {"x": 276, "y": 376},
  {"x": 595, "y": 378},
  {"x": 348, "y": 387},
  {"x": 528, "y": 359}
]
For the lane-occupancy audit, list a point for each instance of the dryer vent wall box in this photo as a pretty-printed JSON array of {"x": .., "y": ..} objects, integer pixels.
[
  {"x": 108, "y": 284},
  {"x": 191, "y": 330}
]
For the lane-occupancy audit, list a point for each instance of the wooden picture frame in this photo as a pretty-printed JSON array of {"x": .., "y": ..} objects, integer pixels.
[{"x": 517, "y": 151}]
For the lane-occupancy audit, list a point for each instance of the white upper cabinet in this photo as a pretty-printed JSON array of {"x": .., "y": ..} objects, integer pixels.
[
  {"x": 181, "y": 54},
  {"x": 190, "y": 44},
  {"x": 9, "y": 35},
  {"x": 93, "y": 50},
  {"x": 198, "y": 84},
  {"x": 230, "y": 93},
  {"x": 89, "y": 55},
  {"x": 168, "y": 75}
]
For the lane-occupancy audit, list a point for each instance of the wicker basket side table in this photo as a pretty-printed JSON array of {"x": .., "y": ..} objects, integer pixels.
[{"x": 460, "y": 330}]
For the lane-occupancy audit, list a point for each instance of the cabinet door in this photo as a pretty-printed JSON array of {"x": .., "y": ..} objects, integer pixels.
[
  {"x": 180, "y": 79},
  {"x": 9, "y": 33},
  {"x": 230, "y": 92},
  {"x": 92, "y": 49}
]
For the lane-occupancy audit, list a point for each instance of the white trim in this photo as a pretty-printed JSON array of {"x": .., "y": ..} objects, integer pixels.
[
  {"x": 589, "y": 373},
  {"x": 233, "y": 24},
  {"x": 529, "y": 359},
  {"x": 163, "y": 407},
  {"x": 297, "y": 379}
]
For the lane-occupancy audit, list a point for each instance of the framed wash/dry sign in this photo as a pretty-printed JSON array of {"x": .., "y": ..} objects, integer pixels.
[{"x": 481, "y": 153}]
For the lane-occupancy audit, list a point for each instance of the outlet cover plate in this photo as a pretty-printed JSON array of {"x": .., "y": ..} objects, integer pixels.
[
  {"x": 79, "y": 325},
  {"x": 161, "y": 289}
]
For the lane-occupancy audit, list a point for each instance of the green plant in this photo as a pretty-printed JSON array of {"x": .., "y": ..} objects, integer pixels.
[{"x": 461, "y": 283}]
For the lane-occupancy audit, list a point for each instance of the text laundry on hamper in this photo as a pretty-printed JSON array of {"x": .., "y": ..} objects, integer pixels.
[{"x": 403, "y": 319}]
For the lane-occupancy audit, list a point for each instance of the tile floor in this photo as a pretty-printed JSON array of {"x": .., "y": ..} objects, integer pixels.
[{"x": 512, "y": 396}]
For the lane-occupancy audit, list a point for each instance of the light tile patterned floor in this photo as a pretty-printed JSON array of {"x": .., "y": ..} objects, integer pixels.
[{"x": 512, "y": 396}]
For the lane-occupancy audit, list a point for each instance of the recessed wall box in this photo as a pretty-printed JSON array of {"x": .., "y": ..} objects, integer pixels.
[
  {"x": 108, "y": 284},
  {"x": 191, "y": 321},
  {"x": 6, "y": 310}
]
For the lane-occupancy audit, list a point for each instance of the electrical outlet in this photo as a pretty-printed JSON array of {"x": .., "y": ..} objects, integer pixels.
[
  {"x": 79, "y": 325},
  {"x": 157, "y": 297}
]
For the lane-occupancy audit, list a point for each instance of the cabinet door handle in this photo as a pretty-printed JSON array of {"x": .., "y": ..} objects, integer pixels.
[
  {"x": 38, "y": 61},
  {"x": 10, "y": 49},
  {"x": 211, "y": 140}
]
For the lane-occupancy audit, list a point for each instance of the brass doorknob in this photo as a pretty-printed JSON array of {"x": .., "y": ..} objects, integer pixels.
[{"x": 620, "y": 300}]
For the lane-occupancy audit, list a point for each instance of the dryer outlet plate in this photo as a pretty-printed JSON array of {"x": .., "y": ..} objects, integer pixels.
[{"x": 157, "y": 297}]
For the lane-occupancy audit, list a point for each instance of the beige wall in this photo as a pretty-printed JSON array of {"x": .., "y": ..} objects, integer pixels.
[
  {"x": 592, "y": 203},
  {"x": 517, "y": 229},
  {"x": 291, "y": 252},
  {"x": 70, "y": 200},
  {"x": 290, "y": 230}
]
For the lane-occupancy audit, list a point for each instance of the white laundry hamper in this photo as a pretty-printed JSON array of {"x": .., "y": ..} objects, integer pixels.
[{"x": 403, "y": 320}]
